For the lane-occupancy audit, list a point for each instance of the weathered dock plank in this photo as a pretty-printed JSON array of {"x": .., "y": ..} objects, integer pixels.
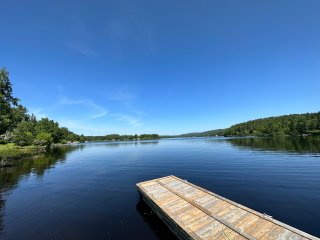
[{"x": 192, "y": 212}]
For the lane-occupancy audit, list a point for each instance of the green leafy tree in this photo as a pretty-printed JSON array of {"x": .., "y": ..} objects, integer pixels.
[
  {"x": 23, "y": 134},
  {"x": 294, "y": 124},
  {"x": 67, "y": 136},
  {"x": 43, "y": 139},
  {"x": 82, "y": 138},
  {"x": 11, "y": 112},
  {"x": 49, "y": 126}
]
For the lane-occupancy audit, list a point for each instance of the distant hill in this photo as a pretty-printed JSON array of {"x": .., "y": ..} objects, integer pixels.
[
  {"x": 211, "y": 133},
  {"x": 293, "y": 124}
]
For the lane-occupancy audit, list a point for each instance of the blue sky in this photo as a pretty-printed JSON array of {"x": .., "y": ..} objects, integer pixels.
[{"x": 167, "y": 67}]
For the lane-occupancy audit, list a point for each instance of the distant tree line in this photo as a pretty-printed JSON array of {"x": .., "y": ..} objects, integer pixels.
[
  {"x": 117, "y": 137},
  {"x": 294, "y": 125},
  {"x": 211, "y": 133},
  {"x": 17, "y": 126},
  {"x": 42, "y": 132}
]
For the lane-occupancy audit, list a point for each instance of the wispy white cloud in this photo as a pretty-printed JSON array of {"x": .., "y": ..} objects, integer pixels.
[
  {"x": 132, "y": 116},
  {"x": 129, "y": 119},
  {"x": 86, "y": 128},
  {"x": 126, "y": 33},
  {"x": 80, "y": 38},
  {"x": 99, "y": 110},
  {"x": 81, "y": 127},
  {"x": 81, "y": 48},
  {"x": 124, "y": 96}
]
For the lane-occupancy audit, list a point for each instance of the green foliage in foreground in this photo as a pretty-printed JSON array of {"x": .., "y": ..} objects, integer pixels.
[
  {"x": 294, "y": 125},
  {"x": 11, "y": 150}
]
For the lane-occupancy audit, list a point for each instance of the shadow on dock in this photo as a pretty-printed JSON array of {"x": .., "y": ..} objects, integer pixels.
[{"x": 154, "y": 222}]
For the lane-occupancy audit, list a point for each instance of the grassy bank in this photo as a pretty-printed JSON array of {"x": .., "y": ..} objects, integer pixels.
[{"x": 13, "y": 151}]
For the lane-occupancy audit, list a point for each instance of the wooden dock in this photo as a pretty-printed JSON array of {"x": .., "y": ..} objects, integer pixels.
[{"x": 192, "y": 212}]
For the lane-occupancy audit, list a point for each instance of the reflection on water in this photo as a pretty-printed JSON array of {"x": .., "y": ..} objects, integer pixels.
[
  {"x": 2, "y": 203},
  {"x": 88, "y": 191},
  {"x": 9, "y": 177},
  {"x": 310, "y": 144},
  {"x": 124, "y": 144}
]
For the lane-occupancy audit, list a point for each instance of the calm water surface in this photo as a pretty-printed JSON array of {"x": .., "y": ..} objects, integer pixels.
[{"x": 88, "y": 191}]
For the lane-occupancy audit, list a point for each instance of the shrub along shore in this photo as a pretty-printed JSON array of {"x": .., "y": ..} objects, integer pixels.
[{"x": 10, "y": 152}]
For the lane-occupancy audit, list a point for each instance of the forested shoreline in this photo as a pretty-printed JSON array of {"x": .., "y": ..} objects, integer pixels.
[{"x": 286, "y": 125}]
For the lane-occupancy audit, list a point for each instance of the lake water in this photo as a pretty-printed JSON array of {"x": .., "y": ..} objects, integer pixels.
[{"x": 88, "y": 191}]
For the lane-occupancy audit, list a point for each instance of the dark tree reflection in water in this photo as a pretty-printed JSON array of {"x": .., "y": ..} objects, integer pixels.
[
  {"x": 310, "y": 144},
  {"x": 10, "y": 176}
]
